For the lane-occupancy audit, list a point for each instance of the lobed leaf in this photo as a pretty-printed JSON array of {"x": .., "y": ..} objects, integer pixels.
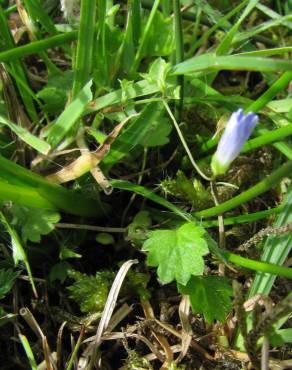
[
  {"x": 177, "y": 253},
  {"x": 210, "y": 296}
]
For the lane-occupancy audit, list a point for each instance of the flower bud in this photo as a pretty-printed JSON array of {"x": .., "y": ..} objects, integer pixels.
[{"x": 237, "y": 131}]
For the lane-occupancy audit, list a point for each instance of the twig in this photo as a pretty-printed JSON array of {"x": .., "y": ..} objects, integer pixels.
[{"x": 91, "y": 228}]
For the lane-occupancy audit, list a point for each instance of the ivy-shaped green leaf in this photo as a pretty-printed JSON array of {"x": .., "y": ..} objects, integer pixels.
[
  {"x": 177, "y": 253},
  {"x": 210, "y": 296}
]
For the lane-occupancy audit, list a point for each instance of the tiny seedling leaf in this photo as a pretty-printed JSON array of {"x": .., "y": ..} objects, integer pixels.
[
  {"x": 60, "y": 271},
  {"x": 177, "y": 253},
  {"x": 210, "y": 296},
  {"x": 157, "y": 73}
]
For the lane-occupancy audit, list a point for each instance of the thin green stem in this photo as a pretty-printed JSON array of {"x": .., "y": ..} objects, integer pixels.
[
  {"x": 197, "y": 168},
  {"x": 250, "y": 217},
  {"x": 251, "y": 193},
  {"x": 179, "y": 51},
  {"x": 266, "y": 267}
]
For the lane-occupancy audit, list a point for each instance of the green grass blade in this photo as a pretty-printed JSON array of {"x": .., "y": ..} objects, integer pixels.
[
  {"x": 40, "y": 145},
  {"x": 19, "y": 254},
  {"x": 225, "y": 45},
  {"x": 83, "y": 63},
  {"x": 28, "y": 352},
  {"x": 266, "y": 52},
  {"x": 25, "y": 196},
  {"x": 149, "y": 194},
  {"x": 10, "y": 9},
  {"x": 217, "y": 25},
  {"x": 144, "y": 37},
  {"x": 35, "y": 14},
  {"x": 250, "y": 217},
  {"x": 276, "y": 249},
  {"x": 133, "y": 91},
  {"x": 211, "y": 62},
  {"x": 241, "y": 38},
  {"x": 136, "y": 20},
  {"x": 17, "y": 67},
  {"x": 69, "y": 201},
  {"x": 14, "y": 53},
  {"x": 264, "y": 267},
  {"x": 179, "y": 52},
  {"x": 39, "y": 15},
  {"x": 132, "y": 135},
  {"x": 279, "y": 85},
  {"x": 126, "y": 53},
  {"x": 69, "y": 116}
]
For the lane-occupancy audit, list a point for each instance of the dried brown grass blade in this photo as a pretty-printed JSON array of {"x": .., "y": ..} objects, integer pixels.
[
  {"x": 109, "y": 308},
  {"x": 186, "y": 339}
]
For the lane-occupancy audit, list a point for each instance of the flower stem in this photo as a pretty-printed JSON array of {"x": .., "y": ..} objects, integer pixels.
[
  {"x": 269, "y": 268},
  {"x": 249, "y": 217},
  {"x": 197, "y": 168}
]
